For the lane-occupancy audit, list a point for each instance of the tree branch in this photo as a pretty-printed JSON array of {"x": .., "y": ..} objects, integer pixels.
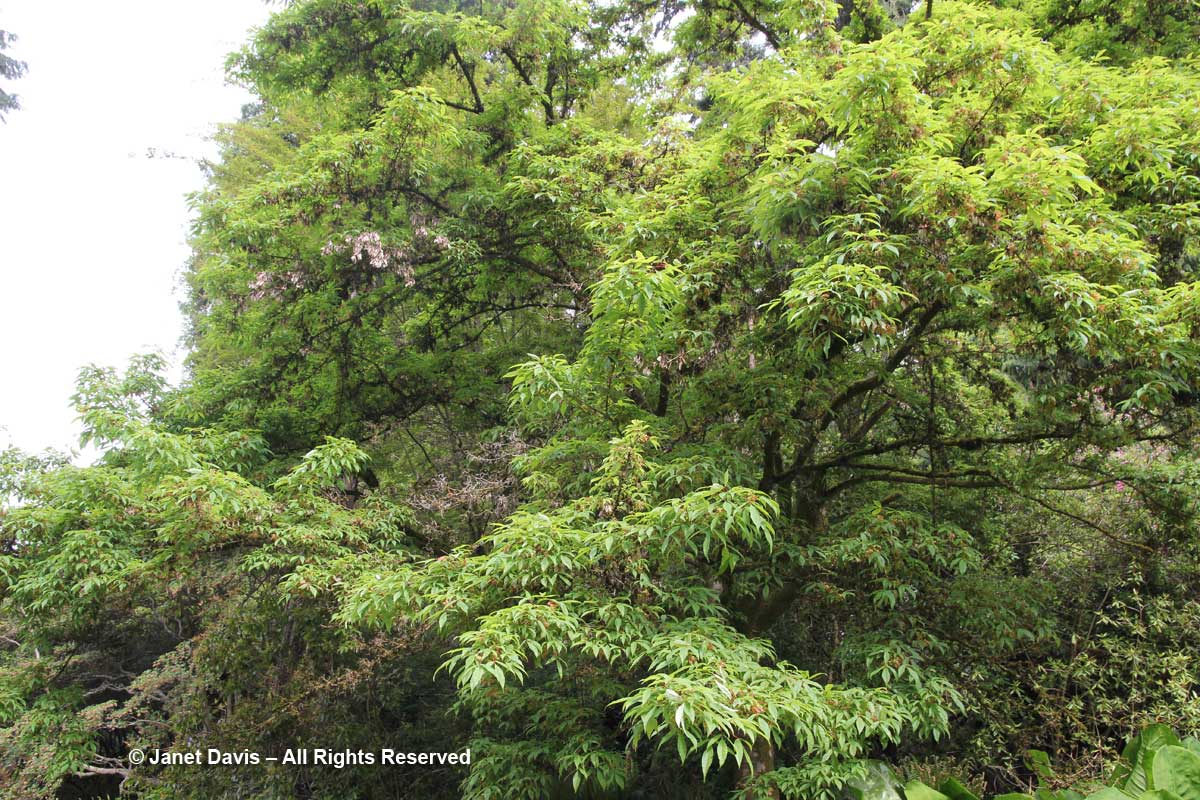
[
  {"x": 859, "y": 387},
  {"x": 528, "y": 81},
  {"x": 469, "y": 75},
  {"x": 755, "y": 23}
]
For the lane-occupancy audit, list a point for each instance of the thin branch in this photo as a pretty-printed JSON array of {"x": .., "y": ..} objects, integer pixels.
[
  {"x": 528, "y": 81},
  {"x": 922, "y": 479},
  {"x": 89, "y": 771},
  {"x": 755, "y": 23},
  {"x": 468, "y": 74},
  {"x": 1082, "y": 521},
  {"x": 859, "y": 387},
  {"x": 962, "y": 443}
]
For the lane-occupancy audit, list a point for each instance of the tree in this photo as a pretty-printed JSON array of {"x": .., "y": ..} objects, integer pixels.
[
  {"x": 1121, "y": 30},
  {"x": 159, "y": 597},
  {"x": 741, "y": 407},
  {"x": 909, "y": 275}
]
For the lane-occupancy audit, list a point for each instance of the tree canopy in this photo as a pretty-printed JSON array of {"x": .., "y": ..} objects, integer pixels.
[{"x": 660, "y": 400}]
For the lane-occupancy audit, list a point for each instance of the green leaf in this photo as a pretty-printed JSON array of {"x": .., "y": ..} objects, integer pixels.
[
  {"x": 1176, "y": 769},
  {"x": 956, "y": 791},
  {"x": 1110, "y": 793},
  {"x": 877, "y": 784},
  {"x": 1133, "y": 775},
  {"x": 916, "y": 790}
]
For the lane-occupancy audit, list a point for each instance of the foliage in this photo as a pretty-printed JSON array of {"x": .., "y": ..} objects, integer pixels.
[
  {"x": 668, "y": 400},
  {"x": 1155, "y": 765},
  {"x": 167, "y": 582}
]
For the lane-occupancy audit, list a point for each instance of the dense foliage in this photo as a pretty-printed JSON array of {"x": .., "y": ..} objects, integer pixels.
[
  {"x": 660, "y": 400},
  {"x": 1155, "y": 765}
]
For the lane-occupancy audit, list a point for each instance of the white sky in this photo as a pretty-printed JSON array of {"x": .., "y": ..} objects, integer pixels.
[{"x": 92, "y": 231}]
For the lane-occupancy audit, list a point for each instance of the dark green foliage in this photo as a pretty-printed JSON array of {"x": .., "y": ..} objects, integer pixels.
[{"x": 1155, "y": 765}]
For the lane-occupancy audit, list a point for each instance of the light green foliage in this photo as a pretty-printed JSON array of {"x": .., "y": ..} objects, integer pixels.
[
  {"x": 1120, "y": 30},
  {"x": 126, "y": 547},
  {"x": 664, "y": 400},
  {"x": 604, "y": 582}
]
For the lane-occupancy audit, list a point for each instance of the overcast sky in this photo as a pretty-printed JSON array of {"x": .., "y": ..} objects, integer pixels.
[{"x": 92, "y": 229}]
